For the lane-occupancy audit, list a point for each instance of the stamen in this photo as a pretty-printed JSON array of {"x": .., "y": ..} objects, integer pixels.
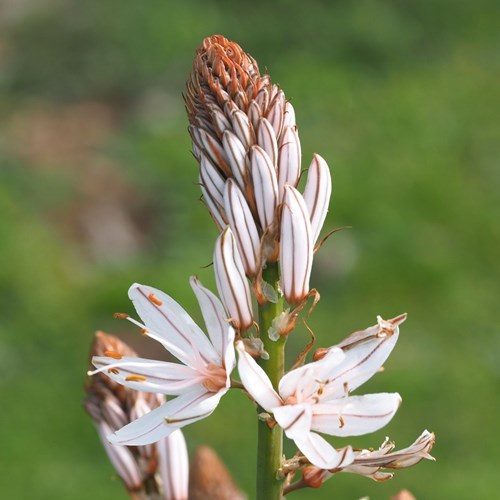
[
  {"x": 144, "y": 331},
  {"x": 113, "y": 354},
  {"x": 342, "y": 423},
  {"x": 346, "y": 388},
  {"x": 154, "y": 300},
  {"x": 113, "y": 370},
  {"x": 120, "y": 316},
  {"x": 135, "y": 378}
]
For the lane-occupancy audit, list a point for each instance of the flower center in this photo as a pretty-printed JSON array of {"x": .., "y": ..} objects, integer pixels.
[{"x": 215, "y": 378}]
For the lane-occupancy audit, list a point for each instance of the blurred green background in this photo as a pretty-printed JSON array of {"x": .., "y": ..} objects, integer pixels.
[{"x": 97, "y": 190}]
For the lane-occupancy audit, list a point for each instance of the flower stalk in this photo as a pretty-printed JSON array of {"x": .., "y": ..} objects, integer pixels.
[{"x": 270, "y": 444}]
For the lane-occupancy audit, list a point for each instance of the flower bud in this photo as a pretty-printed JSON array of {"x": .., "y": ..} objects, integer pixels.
[
  {"x": 317, "y": 194},
  {"x": 266, "y": 139},
  {"x": 265, "y": 185},
  {"x": 288, "y": 160},
  {"x": 296, "y": 247},
  {"x": 232, "y": 283},
  {"x": 242, "y": 226}
]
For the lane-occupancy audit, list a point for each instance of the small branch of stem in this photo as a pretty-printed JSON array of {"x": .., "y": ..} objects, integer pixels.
[{"x": 270, "y": 441}]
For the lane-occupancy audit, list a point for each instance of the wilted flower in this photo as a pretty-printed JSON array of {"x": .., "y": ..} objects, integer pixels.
[
  {"x": 369, "y": 462},
  {"x": 112, "y": 406},
  {"x": 315, "y": 397},
  {"x": 199, "y": 383}
]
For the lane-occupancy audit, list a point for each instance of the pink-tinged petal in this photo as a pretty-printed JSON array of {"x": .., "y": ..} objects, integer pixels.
[
  {"x": 232, "y": 283},
  {"x": 321, "y": 453},
  {"x": 365, "y": 352},
  {"x": 317, "y": 193},
  {"x": 266, "y": 139},
  {"x": 148, "y": 375},
  {"x": 295, "y": 419},
  {"x": 289, "y": 160},
  {"x": 265, "y": 185},
  {"x": 306, "y": 380},
  {"x": 236, "y": 155},
  {"x": 121, "y": 458},
  {"x": 162, "y": 421},
  {"x": 220, "y": 331},
  {"x": 243, "y": 226},
  {"x": 296, "y": 247},
  {"x": 169, "y": 320},
  {"x": 355, "y": 415},
  {"x": 255, "y": 380},
  {"x": 173, "y": 466}
]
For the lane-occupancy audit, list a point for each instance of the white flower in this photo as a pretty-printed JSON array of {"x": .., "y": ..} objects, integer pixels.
[
  {"x": 315, "y": 397},
  {"x": 199, "y": 383}
]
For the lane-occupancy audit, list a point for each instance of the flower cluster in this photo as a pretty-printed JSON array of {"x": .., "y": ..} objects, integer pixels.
[{"x": 246, "y": 142}]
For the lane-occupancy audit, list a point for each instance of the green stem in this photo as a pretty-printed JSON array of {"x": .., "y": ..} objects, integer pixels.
[{"x": 270, "y": 444}]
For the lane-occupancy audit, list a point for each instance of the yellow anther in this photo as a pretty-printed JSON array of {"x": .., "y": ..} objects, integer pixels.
[
  {"x": 113, "y": 370},
  {"x": 154, "y": 300},
  {"x": 135, "y": 378},
  {"x": 120, "y": 316},
  {"x": 112, "y": 354}
]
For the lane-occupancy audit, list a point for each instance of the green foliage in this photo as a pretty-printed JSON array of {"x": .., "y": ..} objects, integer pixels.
[{"x": 401, "y": 98}]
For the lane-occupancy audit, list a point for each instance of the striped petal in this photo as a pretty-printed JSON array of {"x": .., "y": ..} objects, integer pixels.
[
  {"x": 149, "y": 375},
  {"x": 296, "y": 247},
  {"x": 305, "y": 380},
  {"x": 219, "y": 330},
  {"x": 256, "y": 381},
  {"x": 355, "y": 415},
  {"x": 164, "y": 420},
  {"x": 243, "y": 226},
  {"x": 317, "y": 193},
  {"x": 295, "y": 420},
  {"x": 171, "y": 322},
  {"x": 321, "y": 453},
  {"x": 365, "y": 352},
  {"x": 232, "y": 283}
]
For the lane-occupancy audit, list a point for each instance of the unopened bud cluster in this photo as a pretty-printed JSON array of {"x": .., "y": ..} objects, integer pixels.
[{"x": 246, "y": 141}]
